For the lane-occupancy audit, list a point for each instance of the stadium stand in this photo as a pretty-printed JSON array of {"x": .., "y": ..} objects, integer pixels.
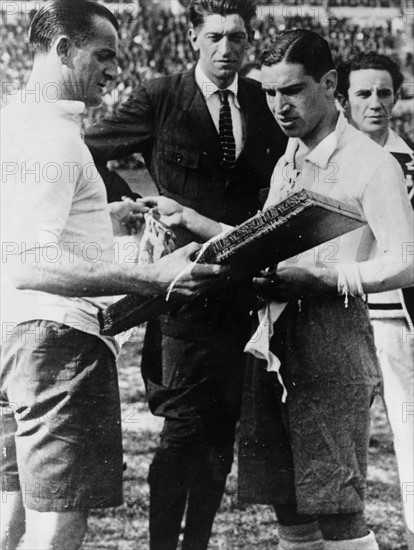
[{"x": 154, "y": 41}]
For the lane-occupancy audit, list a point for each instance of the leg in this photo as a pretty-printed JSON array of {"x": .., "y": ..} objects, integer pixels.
[
  {"x": 346, "y": 532},
  {"x": 12, "y": 520},
  {"x": 68, "y": 442},
  {"x": 197, "y": 442},
  {"x": 12, "y": 515},
  {"x": 180, "y": 399},
  {"x": 212, "y": 460},
  {"x": 55, "y": 530},
  {"x": 395, "y": 346},
  {"x": 297, "y": 532},
  {"x": 168, "y": 481},
  {"x": 209, "y": 470},
  {"x": 343, "y": 526},
  {"x": 331, "y": 390}
]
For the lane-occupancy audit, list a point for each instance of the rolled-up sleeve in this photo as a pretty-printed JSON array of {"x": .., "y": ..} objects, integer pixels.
[{"x": 387, "y": 209}]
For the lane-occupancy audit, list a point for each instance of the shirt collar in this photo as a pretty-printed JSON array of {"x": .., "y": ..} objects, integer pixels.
[
  {"x": 321, "y": 154},
  {"x": 208, "y": 88},
  {"x": 395, "y": 144},
  {"x": 68, "y": 109}
]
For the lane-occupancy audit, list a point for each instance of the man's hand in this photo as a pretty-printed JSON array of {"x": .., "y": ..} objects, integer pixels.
[
  {"x": 127, "y": 216},
  {"x": 287, "y": 283},
  {"x": 167, "y": 211},
  {"x": 193, "y": 280}
]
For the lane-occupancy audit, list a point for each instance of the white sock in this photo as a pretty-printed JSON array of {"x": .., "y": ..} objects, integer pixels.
[
  {"x": 365, "y": 543},
  {"x": 300, "y": 537}
]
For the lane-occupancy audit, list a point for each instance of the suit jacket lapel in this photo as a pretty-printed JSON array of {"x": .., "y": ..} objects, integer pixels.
[
  {"x": 251, "y": 115},
  {"x": 199, "y": 118}
]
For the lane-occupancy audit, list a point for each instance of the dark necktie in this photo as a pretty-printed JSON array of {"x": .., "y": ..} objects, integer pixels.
[{"x": 228, "y": 143}]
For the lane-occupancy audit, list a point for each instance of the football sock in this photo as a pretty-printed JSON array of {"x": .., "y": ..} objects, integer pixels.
[
  {"x": 365, "y": 543},
  {"x": 300, "y": 537}
]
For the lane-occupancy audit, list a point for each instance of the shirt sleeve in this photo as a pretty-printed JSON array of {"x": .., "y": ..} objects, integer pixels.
[
  {"x": 387, "y": 209},
  {"x": 39, "y": 201}
]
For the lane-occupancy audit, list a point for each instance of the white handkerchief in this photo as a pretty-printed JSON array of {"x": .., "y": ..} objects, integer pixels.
[{"x": 259, "y": 343}]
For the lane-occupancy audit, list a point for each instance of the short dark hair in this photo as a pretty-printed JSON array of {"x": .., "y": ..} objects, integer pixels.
[
  {"x": 198, "y": 9},
  {"x": 370, "y": 60},
  {"x": 73, "y": 18},
  {"x": 301, "y": 46}
]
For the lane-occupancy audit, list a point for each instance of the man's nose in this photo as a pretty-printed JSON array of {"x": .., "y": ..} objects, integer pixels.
[
  {"x": 281, "y": 104},
  {"x": 374, "y": 102},
  {"x": 111, "y": 70},
  {"x": 224, "y": 46}
]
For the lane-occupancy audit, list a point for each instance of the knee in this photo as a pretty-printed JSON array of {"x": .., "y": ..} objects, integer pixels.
[{"x": 13, "y": 520}]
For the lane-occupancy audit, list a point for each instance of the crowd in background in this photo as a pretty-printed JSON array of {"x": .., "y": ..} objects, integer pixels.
[
  {"x": 154, "y": 43},
  {"x": 356, "y": 3}
]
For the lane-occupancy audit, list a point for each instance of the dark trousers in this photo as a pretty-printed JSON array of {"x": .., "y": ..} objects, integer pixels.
[{"x": 198, "y": 391}]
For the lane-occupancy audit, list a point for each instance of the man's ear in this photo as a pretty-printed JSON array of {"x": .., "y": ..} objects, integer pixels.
[
  {"x": 330, "y": 81},
  {"x": 192, "y": 35},
  {"x": 397, "y": 96},
  {"x": 62, "y": 46},
  {"x": 343, "y": 102}
]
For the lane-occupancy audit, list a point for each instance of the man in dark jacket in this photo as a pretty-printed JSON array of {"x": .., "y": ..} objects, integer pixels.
[{"x": 211, "y": 143}]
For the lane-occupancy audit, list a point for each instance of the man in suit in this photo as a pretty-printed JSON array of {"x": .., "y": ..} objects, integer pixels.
[
  {"x": 368, "y": 90},
  {"x": 210, "y": 143}
]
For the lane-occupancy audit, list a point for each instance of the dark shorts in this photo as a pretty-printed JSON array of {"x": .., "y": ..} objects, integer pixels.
[
  {"x": 312, "y": 450},
  {"x": 61, "y": 427}
]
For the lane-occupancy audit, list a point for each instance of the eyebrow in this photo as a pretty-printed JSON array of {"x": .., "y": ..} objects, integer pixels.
[
  {"x": 384, "y": 89},
  {"x": 284, "y": 89},
  {"x": 233, "y": 33}
]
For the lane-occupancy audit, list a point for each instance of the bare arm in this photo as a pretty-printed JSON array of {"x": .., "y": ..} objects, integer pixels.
[
  {"x": 74, "y": 276},
  {"x": 173, "y": 214}
]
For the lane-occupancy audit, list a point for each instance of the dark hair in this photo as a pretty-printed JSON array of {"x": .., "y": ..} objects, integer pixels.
[
  {"x": 198, "y": 10},
  {"x": 300, "y": 46},
  {"x": 370, "y": 60},
  {"x": 73, "y": 18}
]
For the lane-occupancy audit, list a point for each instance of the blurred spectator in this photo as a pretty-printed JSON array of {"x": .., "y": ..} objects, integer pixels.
[{"x": 154, "y": 42}]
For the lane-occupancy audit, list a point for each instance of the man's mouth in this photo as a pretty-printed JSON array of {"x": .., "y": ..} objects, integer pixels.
[{"x": 286, "y": 120}]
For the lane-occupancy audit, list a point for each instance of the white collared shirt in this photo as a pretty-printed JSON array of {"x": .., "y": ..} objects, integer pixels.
[
  {"x": 213, "y": 103},
  {"x": 53, "y": 202},
  {"x": 352, "y": 168},
  {"x": 394, "y": 144}
]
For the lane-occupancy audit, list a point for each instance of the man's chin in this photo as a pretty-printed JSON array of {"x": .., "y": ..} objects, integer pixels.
[
  {"x": 227, "y": 72},
  {"x": 291, "y": 132}
]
